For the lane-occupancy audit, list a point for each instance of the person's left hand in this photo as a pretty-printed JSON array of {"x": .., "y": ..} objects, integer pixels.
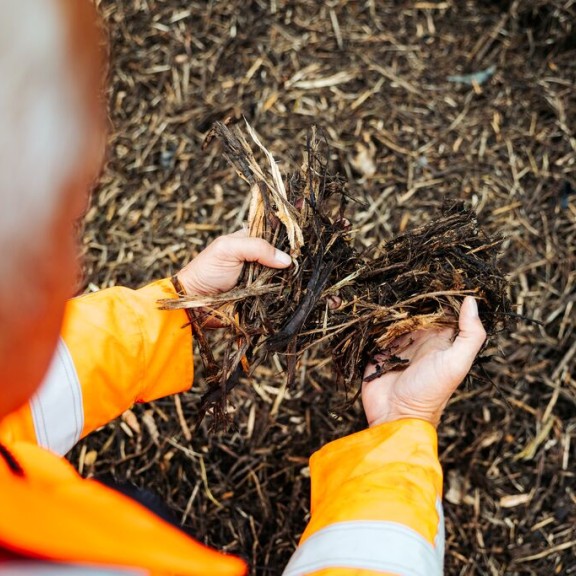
[
  {"x": 438, "y": 364},
  {"x": 217, "y": 268}
]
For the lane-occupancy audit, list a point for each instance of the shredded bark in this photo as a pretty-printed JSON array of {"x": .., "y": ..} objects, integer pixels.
[{"x": 417, "y": 282}]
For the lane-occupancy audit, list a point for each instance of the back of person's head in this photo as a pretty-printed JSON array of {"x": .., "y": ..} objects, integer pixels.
[
  {"x": 43, "y": 121},
  {"x": 50, "y": 136}
]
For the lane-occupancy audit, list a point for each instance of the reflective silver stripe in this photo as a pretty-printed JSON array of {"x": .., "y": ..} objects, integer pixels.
[
  {"x": 440, "y": 540},
  {"x": 57, "y": 405},
  {"x": 369, "y": 545},
  {"x": 54, "y": 569}
]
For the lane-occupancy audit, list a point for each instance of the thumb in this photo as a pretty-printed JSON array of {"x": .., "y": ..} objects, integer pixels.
[
  {"x": 250, "y": 249},
  {"x": 471, "y": 335}
]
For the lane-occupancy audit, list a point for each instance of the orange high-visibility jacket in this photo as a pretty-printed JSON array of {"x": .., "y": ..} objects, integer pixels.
[{"x": 375, "y": 495}]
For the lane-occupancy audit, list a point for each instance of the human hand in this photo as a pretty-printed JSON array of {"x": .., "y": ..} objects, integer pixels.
[
  {"x": 217, "y": 268},
  {"x": 438, "y": 364}
]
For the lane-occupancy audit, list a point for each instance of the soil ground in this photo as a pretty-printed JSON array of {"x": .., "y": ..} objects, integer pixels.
[{"x": 387, "y": 82}]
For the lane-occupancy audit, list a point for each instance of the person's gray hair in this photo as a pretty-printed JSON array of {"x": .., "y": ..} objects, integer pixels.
[{"x": 41, "y": 125}]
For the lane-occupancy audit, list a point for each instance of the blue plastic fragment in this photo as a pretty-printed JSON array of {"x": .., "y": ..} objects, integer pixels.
[{"x": 475, "y": 78}]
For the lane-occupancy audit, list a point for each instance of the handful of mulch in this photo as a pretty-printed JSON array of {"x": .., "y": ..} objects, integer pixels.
[{"x": 418, "y": 282}]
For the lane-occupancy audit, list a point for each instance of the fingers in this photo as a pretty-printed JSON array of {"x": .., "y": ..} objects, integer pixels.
[
  {"x": 240, "y": 248},
  {"x": 334, "y": 301},
  {"x": 470, "y": 337},
  {"x": 217, "y": 268}
]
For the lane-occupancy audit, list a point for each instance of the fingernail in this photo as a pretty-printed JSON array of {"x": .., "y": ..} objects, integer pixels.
[
  {"x": 473, "y": 307},
  {"x": 282, "y": 257}
]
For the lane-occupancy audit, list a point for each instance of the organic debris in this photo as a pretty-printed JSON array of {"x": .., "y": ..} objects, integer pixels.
[
  {"x": 374, "y": 75},
  {"x": 417, "y": 282}
]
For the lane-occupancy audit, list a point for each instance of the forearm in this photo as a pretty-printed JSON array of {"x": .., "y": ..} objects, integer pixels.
[
  {"x": 116, "y": 348},
  {"x": 376, "y": 505}
]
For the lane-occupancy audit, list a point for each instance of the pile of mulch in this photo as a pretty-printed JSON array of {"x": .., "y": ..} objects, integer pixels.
[{"x": 420, "y": 104}]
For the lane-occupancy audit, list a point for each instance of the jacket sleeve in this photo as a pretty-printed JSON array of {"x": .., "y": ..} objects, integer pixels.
[
  {"x": 376, "y": 505},
  {"x": 116, "y": 348}
]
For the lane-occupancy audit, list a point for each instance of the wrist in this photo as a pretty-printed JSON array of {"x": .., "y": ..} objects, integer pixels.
[
  {"x": 186, "y": 287},
  {"x": 388, "y": 419},
  {"x": 394, "y": 412}
]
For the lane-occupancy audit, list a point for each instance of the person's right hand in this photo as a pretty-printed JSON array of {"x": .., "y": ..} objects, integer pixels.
[{"x": 438, "y": 364}]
